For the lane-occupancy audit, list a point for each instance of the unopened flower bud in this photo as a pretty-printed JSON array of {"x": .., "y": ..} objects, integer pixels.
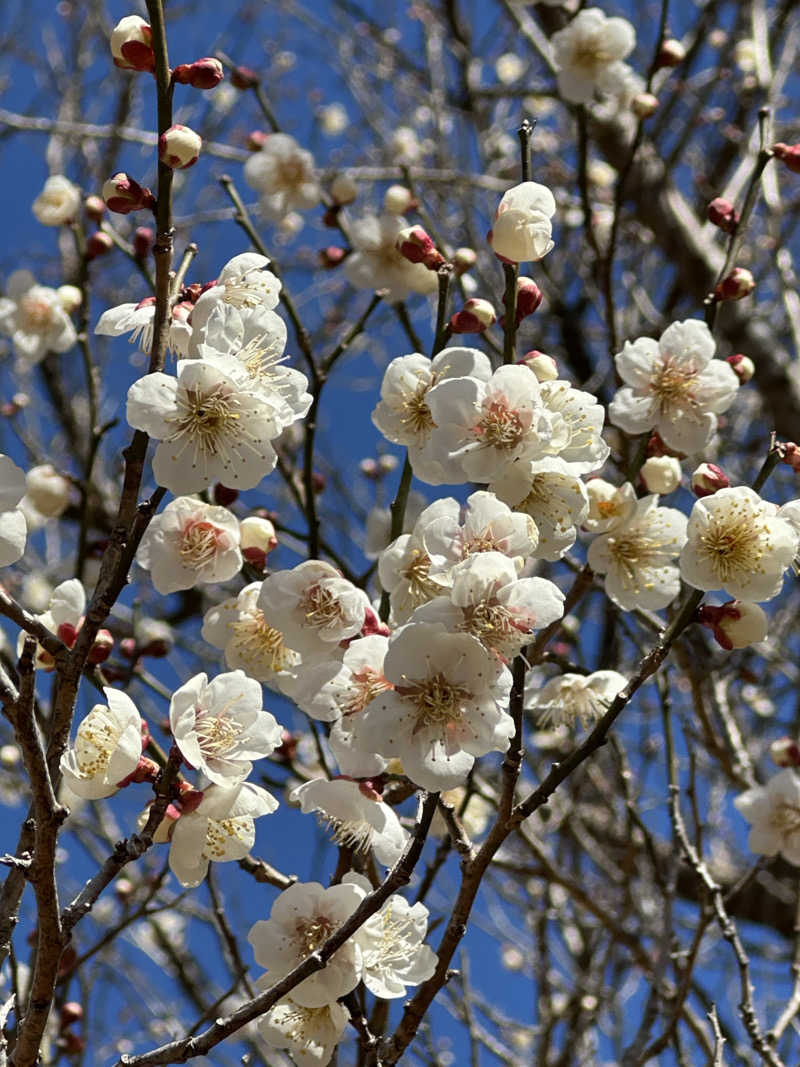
[
  {"x": 736, "y": 624},
  {"x": 128, "y": 648},
  {"x": 708, "y": 479},
  {"x": 257, "y": 538},
  {"x": 73, "y": 1044},
  {"x": 415, "y": 245},
  {"x": 739, "y": 283},
  {"x": 287, "y": 748},
  {"x": 47, "y": 490},
  {"x": 476, "y": 316},
  {"x": 544, "y": 367},
  {"x": 67, "y": 633},
  {"x": 661, "y": 474},
  {"x": 743, "y": 367},
  {"x": 122, "y": 194},
  {"x": 387, "y": 463},
  {"x": 202, "y": 74},
  {"x": 153, "y": 637},
  {"x": 670, "y": 54},
  {"x": 97, "y": 244},
  {"x": 179, "y": 147},
  {"x": 71, "y": 1012},
  {"x": 318, "y": 482},
  {"x": 644, "y": 105},
  {"x": 344, "y": 189},
  {"x": 132, "y": 44},
  {"x": 529, "y": 297},
  {"x": 785, "y": 752},
  {"x": 244, "y": 78},
  {"x": 369, "y": 468},
  {"x": 143, "y": 239},
  {"x": 69, "y": 297},
  {"x": 94, "y": 208},
  {"x": 256, "y": 140},
  {"x": 331, "y": 256},
  {"x": 10, "y": 756},
  {"x": 464, "y": 259},
  {"x": 791, "y": 456},
  {"x": 124, "y": 888},
  {"x": 788, "y": 154},
  {"x": 102, "y": 647},
  {"x": 397, "y": 200},
  {"x": 723, "y": 214}
]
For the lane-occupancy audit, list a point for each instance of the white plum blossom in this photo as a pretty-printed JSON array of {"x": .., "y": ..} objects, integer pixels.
[
  {"x": 490, "y": 601},
  {"x": 408, "y": 571},
  {"x": 314, "y": 607},
  {"x": 244, "y": 285},
  {"x": 339, "y": 688},
  {"x": 577, "y": 426},
  {"x": 638, "y": 556},
  {"x": 283, "y": 173},
  {"x": 33, "y": 317},
  {"x": 220, "y": 828},
  {"x": 106, "y": 749},
  {"x": 189, "y": 543},
  {"x": 569, "y": 697},
  {"x": 13, "y": 528},
  {"x": 58, "y": 203},
  {"x": 739, "y": 543},
  {"x": 446, "y": 707},
  {"x": 773, "y": 810},
  {"x": 585, "y": 50},
  {"x": 375, "y": 262},
  {"x": 553, "y": 496},
  {"x": 302, "y": 919},
  {"x": 47, "y": 491},
  {"x": 356, "y": 816},
  {"x": 310, "y": 1035},
  {"x": 673, "y": 386},
  {"x": 521, "y": 230},
  {"x": 609, "y": 505},
  {"x": 403, "y": 415},
  {"x": 486, "y": 524},
  {"x": 138, "y": 320},
  {"x": 220, "y": 727},
  {"x": 238, "y": 626},
  {"x": 209, "y": 427},
  {"x": 64, "y": 617}
]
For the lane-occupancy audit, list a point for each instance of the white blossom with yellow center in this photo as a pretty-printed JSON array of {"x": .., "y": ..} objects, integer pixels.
[
  {"x": 586, "y": 50},
  {"x": 354, "y": 818},
  {"x": 33, "y": 317},
  {"x": 773, "y": 810},
  {"x": 190, "y": 542},
  {"x": 107, "y": 747},
  {"x": 570, "y": 697}
]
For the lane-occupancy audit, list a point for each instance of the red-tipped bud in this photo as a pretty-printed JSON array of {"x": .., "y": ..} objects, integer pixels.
[
  {"x": 225, "y": 496},
  {"x": 785, "y": 752},
  {"x": 415, "y": 245},
  {"x": 318, "y": 482},
  {"x": 70, "y": 1013},
  {"x": 128, "y": 648},
  {"x": 723, "y": 214},
  {"x": 331, "y": 256},
  {"x": 67, "y": 633},
  {"x": 202, "y": 74},
  {"x": 709, "y": 479},
  {"x": 179, "y": 147},
  {"x": 146, "y": 770},
  {"x": 101, "y": 647},
  {"x": 736, "y": 624},
  {"x": 464, "y": 259},
  {"x": 788, "y": 154},
  {"x": 670, "y": 54},
  {"x": 544, "y": 367},
  {"x": 256, "y": 140},
  {"x": 738, "y": 284},
  {"x": 476, "y": 316},
  {"x": 97, "y": 244},
  {"x": 529, "y": 297},
  {"x": 644, "y": 105},
  {"x": 258, "y": 539},
  {"x": 370, "y": 469},
  {"x": 143, "y": 239},
  {"x": 95, "y": 208},
  {"x": 656, "y": 447},
  {"x": 132, "y": 44},
  {"x": 287, "y": 748},
  {"x": 73, "y": 1044},
  {"x": 244, "y": 78},
  {"x": 122, "y": 194},
  {"x": 743, "y": 366},
  {"x": 256, "y": 557}
]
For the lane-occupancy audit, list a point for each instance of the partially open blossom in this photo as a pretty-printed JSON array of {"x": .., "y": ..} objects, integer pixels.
[
  {"x": 736, "y": 624},
  {"x": 586, "y": 50},
  {"x": 201, "y": 74},
  {"x": 132, "y": 44},
  {"x": 122, "y": 194},
  {"x": 544, "y": 367},
  {"x": 644, "y": 105},
  {"x": 356, "y": 819},
  {"x": 736, "y": 285},
  {"x": 773, "y": 811},
  {"x": 98, "y": 244},
  {"x": 743, "y": 367},
  {"x": 521, "y": 230},
  {"x": 47, "y": 490},
  {"x": 661, "y": 474},
  {"x": 788, "y": 154},
  {"x": 58, "y": 202},
  {"x": 397, "y": 200},
  {"x": 476, "y": 316},
  {"x": 791, "y": 456},
  {"x": 257, "y": 540},
  {"x": 179, "y": 147},
  {"x": 415, "y": 245},
  {"x": 188, "y": 543},
  {"x": 708, "y": 478},
  {"x": 375, "y": 262},
  {"x": 107, "y": 747},
  {"x": 671, "y": 53},
  {"x": 310, "y": 1035},
  {"x": 723, "y": 214}
]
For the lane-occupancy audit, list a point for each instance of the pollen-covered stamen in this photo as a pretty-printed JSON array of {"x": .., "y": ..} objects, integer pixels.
[
  {"x": 631, "y": 551},
  {"x": 260, "y": 356},
  {"x": 320, "y": 607},
  {"x": 248, "y": 290},
  {"x": 216, "y": 731},
  {"x": 95, "y": 743},
  {"x": 421, "y": 587},
  {"x": 416, "y": 413},
  {"x": 205, "y": 418},
  {"x": 364, "y": 687},
  {"x": 674, "y": 383},
  {"x": 735, "y": 543},
  {"x": 500, "y": 426},
  {"x": 785, "y": 818},
  {"x": 356, "y": 835},
  {"x": 200, "y": 542},
  {"x": 545, "y": 502},
  {"x": 256, "y": 640},
  {"x": 492, "y": 623},
  {"x": 438, "y": 701},
  {"x": 220, "y": 831},
  {"x": 312, "y": 933}
]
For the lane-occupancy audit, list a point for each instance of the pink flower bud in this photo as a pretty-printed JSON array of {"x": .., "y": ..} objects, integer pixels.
[
  {"x": 123, "y": 195},
  {"x": 708, "y": 479},
  {"x": 788, "y": 154},
  {"x": 544, "y": 367},
  {"x": 644, "y": 105},
  {"x": 143, "y": 238},
  {"x": 670, "y": 54},
  {"x": 95, "y": 208},
  {"x": 224, "y": 496},
  {"x": 190, "y": 800},
  {"x": 367, "y": 789},
  {"x": 370, "y": 469},
  {"x": 415, "y": 245},
  {"x": 331, "y": 256},
  {"x": 529, "y": 297},
  {"x": 791, "y": 456},
  {"x": 318, "y": 482},
  {"x": 257, "y": 540},
  {"x": 202, "y": 74},
  {"x": 244, "y": 78},
  {"x": 464, "y": 259},
  {"x": 179, "y": 147},
  {"x": 736, "y": 624},
  {"x": 256, "y": 140},
  {"x": 743, "y": 367},
  {"x": 739, "y": 283},
  {"x": 476, "y": 316},
  {"x": 785, "y": 752},
  {"x": 146, "y": 770},
  {"x": 67, "y": 633},
  {"x": 132, "y": 45},
  {"x": 287, "y": 748},
  {"x": 97, "y": 244},
  {"x": 70, "y": 1013},
  {"x": 128, "y": 648},
  {"x": 723, "y": 214},
  {"x": 101, "y": 647}
]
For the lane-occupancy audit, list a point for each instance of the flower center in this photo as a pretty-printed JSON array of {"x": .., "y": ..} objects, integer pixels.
[
  {"x": 416, "y": 413},
  {"x": 200, "y": 543},
  {"x": 36, "y": 313},
  {"x": 248, "y": 290},
  {"x": 216, "y": 731},
  {"x": 205, "y": 418},
  {"x": 421, "y": 587},
  {"x": 493, "y": 624},
  {"x": 631, "y": 551},
  {"x": 364, "y": 687},
  {"x": 260, "y": 357},
  {"x": 350, "y": 833},
  {"x": 500, "y": 426},
  {"x": 311, "y": 933},
  {"x": 320, "y": 607},
  {"x": 785, "y": 818},
  {"x": 291, "y": 172},
  {"x": 438, "y": 701},
  {"x": 255, "y": 639},
  {"x": 734, "y": 544},
  {"x": 219, "y": 831},
  {"x": 673, "y": 383}
]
